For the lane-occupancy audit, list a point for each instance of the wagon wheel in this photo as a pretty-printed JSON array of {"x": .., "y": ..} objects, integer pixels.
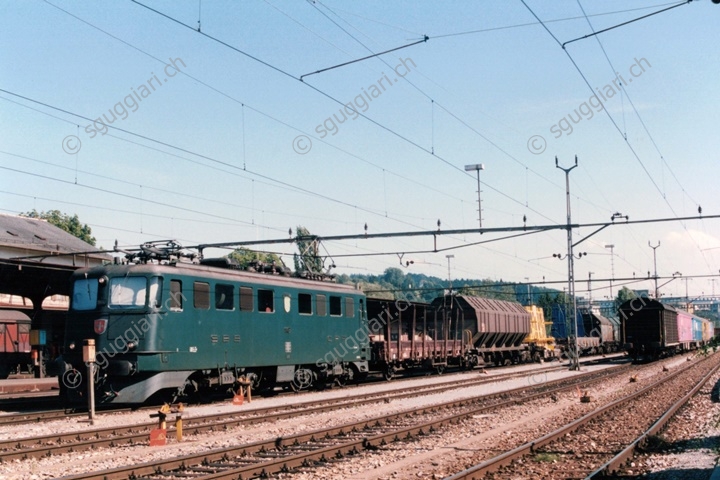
[
  {"x": 389, "y": 373},
  {"x": 440, "y": 369}
]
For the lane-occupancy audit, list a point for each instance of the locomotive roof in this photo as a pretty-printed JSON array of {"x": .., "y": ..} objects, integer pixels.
[{"x": 215, "y": 273}]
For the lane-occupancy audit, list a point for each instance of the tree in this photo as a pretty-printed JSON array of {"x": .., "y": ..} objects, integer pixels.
[
  {"x": 65, "y": 222},
  {"x": 245, "y": 256},
  {"x": 624, "y": 294}
]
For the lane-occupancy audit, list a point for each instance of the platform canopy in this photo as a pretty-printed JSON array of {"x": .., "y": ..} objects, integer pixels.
[{"x": 37, "y": 258}]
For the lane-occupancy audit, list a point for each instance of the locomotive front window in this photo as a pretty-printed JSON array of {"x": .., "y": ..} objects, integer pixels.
[
  {"x": 128, "y": 292},
  {"x": 85, "y": 294}
]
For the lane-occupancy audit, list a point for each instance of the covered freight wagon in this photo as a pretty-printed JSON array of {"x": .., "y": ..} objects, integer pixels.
[
  {"x": 497, "y": 328},
  {"x": 14, "y": 341},
  {"x": 649, "y": 328}
]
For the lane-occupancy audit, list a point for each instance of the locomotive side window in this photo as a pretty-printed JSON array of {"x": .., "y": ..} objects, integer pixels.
[
  {"x": 127, "y": 292},
  {"x": 305, "y": 303},
  {"x": 176, "y": 296},
  {"x": 85, "y": 294},
  {"x": 224, "y": 297},
  {"x": 321, "y": 302},
  {"x": 246, "y": 299},
  {"x": 335, "y": 306},
  {"x": 349, "y": 307},
  {"x": 265, "y": 301},
  {"x": 201, "y": 295}
]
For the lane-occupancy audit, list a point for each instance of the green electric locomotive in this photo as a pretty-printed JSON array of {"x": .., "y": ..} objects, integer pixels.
[{"x": 167, "y": 326}]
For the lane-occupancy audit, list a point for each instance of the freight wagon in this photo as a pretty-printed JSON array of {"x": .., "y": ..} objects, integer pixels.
[
  {"x": 407, "y": 336},
  {"x": 15, "y": 351},
  {"x": 538, "y": 335},
  {"x": 496, "y": 329},
  {"x": 651, "y": 329}
]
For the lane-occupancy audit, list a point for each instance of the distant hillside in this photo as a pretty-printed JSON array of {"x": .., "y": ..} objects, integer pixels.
[{"x": 394, "y": 283}]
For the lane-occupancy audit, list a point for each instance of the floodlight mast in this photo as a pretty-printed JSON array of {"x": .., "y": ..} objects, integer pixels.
[{"x": 477, "y": 167}]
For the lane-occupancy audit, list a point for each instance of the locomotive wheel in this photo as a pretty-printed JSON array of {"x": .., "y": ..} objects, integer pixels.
[{"x": 302, "y": 380}]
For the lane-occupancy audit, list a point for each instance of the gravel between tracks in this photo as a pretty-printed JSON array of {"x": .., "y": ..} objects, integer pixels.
[
  {"x": 445, "y": 453},
  {"x": 105, "y": 459}
]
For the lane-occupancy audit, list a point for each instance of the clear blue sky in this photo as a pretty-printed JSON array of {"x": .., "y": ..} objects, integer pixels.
[{"x": 218, "y": 155}]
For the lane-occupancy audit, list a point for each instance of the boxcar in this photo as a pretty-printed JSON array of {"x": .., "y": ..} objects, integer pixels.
[
  {"x": 14, "y": 342},
  {"x": 650, "y": 329},
  {"x": 708, "y": 331},
  {"x": 685, "y": 328}
]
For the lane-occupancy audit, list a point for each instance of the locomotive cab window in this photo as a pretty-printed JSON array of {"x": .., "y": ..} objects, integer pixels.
[
  {"x": 201, "y": 295},
  {"x": 176, "y": 296},
  {"x": 246, "y": 299},
  {"x": 305, "y": 304},
  {"x": 85, "y": 294},
  {"x": 224, "y": 297},
  {"x": 128, "y": 292},
  {"x": 265, "y": 301},
  {"x": 335, "y": 306}
]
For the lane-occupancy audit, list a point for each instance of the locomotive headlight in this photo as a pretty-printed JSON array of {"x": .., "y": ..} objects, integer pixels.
[
  {"x": 71, "y": 346},
  {"x": 131, "y": 346}
]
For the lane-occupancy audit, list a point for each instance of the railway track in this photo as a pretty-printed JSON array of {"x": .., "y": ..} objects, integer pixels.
[
  {"x": 55, "y": 444},
  {"x": 598, "y": 444},
  {"x": 34, "y": 410},
  {"x": 301, "y": 451}
]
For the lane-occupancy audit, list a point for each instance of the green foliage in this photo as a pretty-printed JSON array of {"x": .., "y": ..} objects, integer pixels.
[
  {"x": 624, "y": 294},
  {"x": 245, "y": 256},
  {"x": 65, "y": 222},
  {"x": 396, "y": 283}
]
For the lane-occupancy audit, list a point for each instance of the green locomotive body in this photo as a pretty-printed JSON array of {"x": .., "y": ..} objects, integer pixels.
[{"x": 183, "y": 327}]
